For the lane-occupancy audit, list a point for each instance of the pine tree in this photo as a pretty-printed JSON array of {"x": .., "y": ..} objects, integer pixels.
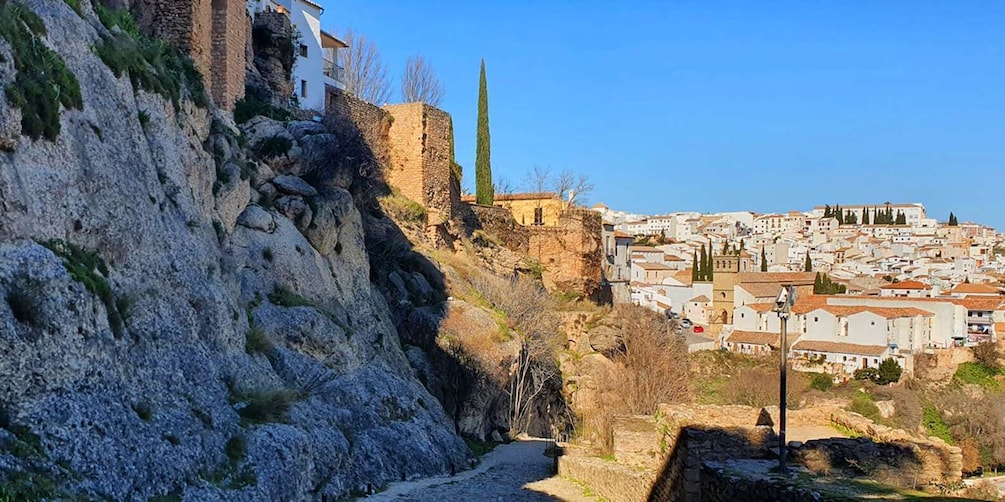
[
  {"x": 694, "y": 268},
  {"x": 818, "y": 285},
  {"x": 703, "y": 267},
  {"x": 764, "y": 261},
  {"x": 484, "y": 192},
  {"x": 808, "y": 266}
]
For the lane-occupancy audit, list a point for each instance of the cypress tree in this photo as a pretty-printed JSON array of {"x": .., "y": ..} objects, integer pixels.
[
  {"x": 839, "y": 214},
  {"x": 484, "y": 192},
  {"x": 952, "y": 220},
  {"x": 725, "y": 247},
  {"x": 827, "y": 211},
  {"x": 818, "y": 285},
  {"x": 694, "y": 268},
  {"x": 764, "y": 261},
  {"x": 703, "y": 270},
  {"x": 808, "y": 266},
  {"x": 865, "y": 216},
  {"x": 710, "y": 274}
]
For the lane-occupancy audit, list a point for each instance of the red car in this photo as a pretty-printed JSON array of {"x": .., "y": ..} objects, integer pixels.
[{"x": 698, "y": 329}]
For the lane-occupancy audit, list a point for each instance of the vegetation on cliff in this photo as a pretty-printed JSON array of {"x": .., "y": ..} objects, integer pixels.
[{"x": 43, "y": 82}]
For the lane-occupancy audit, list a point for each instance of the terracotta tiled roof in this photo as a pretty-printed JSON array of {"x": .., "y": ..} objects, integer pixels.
[
  {"x": 1000, "y": 328},
  {"x": 517, "y": 196},
  {"x": 662, "y": 305},
  {"x": 700, "y": 299},
  {"x": 652, "y": 266},
  {"x": 793, "y": 278},
  {"x": 753, "y": 337},
  {"x": 645, "y": 249},
  {"x": 912, "y": 285},
  {"x": 670, "y": 257},
  {"x": 761, "y": 307},
  {"x": 840, "y": 348},
  {"x": 886, "y": 312},
  {"x": 618, "y": 234},
  {"x": 684, "y": 277},
  {"x": 977, "y": 289}
]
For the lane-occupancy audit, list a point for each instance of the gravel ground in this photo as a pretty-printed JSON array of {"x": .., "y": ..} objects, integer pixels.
[{"x": 518, "y": 471}]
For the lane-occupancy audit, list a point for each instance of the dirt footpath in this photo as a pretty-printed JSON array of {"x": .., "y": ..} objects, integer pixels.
[{"x": 518, "y": 471}]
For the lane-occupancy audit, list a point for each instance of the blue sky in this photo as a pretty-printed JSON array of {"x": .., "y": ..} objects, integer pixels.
[{"x": 763, "y": 106}]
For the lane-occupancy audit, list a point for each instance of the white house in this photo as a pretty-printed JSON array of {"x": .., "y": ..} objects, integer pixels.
[{"x": 316, "y": 66}]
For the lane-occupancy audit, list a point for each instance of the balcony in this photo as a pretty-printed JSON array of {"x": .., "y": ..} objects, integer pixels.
[
  {"x": 332, "y": 70},
  {"x": 982, "y": 319}
]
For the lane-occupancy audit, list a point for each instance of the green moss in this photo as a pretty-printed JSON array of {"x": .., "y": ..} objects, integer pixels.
[
  {"x": 43, "y": 82},
  {"x": 75, "y": 5},
  {"x": 87, "y": 268},
  {"x": 27, "y": 486},
  {"x": 144, "y": 411},
  {"x": 283, "y": 297},
  {"x": 236, "y": 449},
  {"x": 151, "y": 64}
]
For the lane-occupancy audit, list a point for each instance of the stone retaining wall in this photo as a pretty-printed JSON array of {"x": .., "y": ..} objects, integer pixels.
[{"x": 614, "y": 482}]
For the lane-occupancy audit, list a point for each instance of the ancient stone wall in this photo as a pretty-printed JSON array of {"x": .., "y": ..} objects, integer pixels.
[
  {"x": 360, "y": 124},
  {"x": 212, "y": 32},
  {"x": 420, "y": 139},
  {"x": 613, "y": 482},
  {"x": 500, "y": 223},
  {"x": 229, "y": 43},
  {"x": 570, "y": 252}
]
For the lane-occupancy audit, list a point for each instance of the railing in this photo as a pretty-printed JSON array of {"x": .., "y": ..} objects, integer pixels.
[{"x": 333, "y": 71}]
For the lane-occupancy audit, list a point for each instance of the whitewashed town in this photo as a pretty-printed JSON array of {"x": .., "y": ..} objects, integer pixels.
[{"x": 874, "y": 281}]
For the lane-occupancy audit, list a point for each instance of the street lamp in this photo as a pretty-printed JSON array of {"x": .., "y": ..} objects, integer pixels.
[{"x": 783, "y": 306}]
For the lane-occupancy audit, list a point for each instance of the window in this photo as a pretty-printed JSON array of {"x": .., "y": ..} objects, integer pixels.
[
  {"x": 303, "y": 50},
  {"x": 303, "y": 88},
  {"x": 538, "y": 216},
  {"x": 816, "y": 319}
]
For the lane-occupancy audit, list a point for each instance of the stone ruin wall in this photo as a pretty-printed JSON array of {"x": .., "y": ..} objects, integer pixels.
[
  {"x": 571, "y": 252},
  {"x": 671, "y": 456},
  {"x": 212, "y": 32},
  {"x": 411, "y": 145},
  {"x": 420, "y": 138}
]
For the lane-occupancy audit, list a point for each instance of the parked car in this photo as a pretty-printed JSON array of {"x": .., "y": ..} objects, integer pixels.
[
  {"x": 686, "y": 323},
  {"x": 699, "y": 329}
]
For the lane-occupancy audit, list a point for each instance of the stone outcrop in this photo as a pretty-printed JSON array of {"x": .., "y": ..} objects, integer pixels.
[
  {"x": 193, "y": 342},
  {"x": 267, "y": 75}
]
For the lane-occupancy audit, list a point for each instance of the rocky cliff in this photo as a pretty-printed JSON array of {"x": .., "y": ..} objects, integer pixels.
[{"x": 187, "y": 307}]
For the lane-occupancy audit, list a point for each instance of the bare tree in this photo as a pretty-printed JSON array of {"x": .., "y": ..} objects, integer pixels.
[
  {"x": 365, "y": 75},
  {"x": 419, "y": 83},
  {"x": 538, "y": 179},
  {"x": 502, "y": 186},
  {"x": 572, "y": 188}
]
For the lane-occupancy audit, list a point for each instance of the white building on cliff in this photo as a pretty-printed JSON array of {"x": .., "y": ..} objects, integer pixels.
[{"x": 316, "y": 66}]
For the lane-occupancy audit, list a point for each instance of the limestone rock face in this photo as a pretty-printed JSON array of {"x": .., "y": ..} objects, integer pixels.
[{"x": 218, "y": 353}]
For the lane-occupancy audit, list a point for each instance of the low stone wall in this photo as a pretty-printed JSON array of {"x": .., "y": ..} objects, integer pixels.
[
  {"x": 719, "y": 485},
  {"x": 613, "y": 481},
  {"x": 940, "y": 462}
]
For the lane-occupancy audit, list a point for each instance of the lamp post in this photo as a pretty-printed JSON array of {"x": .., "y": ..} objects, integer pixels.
[{"x": 783, "y": 306}]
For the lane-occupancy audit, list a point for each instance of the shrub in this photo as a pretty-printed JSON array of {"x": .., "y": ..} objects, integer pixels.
[
  {"x": 144, "y": 118},
  {"x": 267, "y": 254},
  {"x": 144, "y": 411},
  {"x": 862, "y": 404},
  {"x": 74, "y": 4},
  {"x": 283, "y": 297},
  {"x": 257, "y": 342},
  {"x": 236, "y": 449},
  {"x": 268, "y": 406},
  {"x": 249, "y": 107},
  {"x": 821, "y": 382},
  {"x": 151, "y": 64},
  {"x": 866, "y": 374},
  {"x": 42, "y": 82},
  {"x": 24, "y": 304},
  {"x": 87, "y": 268},
  {"x": 986, "y": 354},
  {"x": 889, "y": 372},
  {"x": 274, "y": 147},
  {"x": 402, "y": 208},
  {"x": 934, "y": 424},
  {"x": 976, "y": 374}
]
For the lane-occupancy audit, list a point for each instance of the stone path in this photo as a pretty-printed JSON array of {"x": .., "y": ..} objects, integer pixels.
[{"x": 518, "y": 471}]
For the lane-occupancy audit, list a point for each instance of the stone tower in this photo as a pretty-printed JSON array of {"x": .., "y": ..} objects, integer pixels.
[
  {"x": 726, "y": 275},
  {"x": 214, "y": 33}
]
